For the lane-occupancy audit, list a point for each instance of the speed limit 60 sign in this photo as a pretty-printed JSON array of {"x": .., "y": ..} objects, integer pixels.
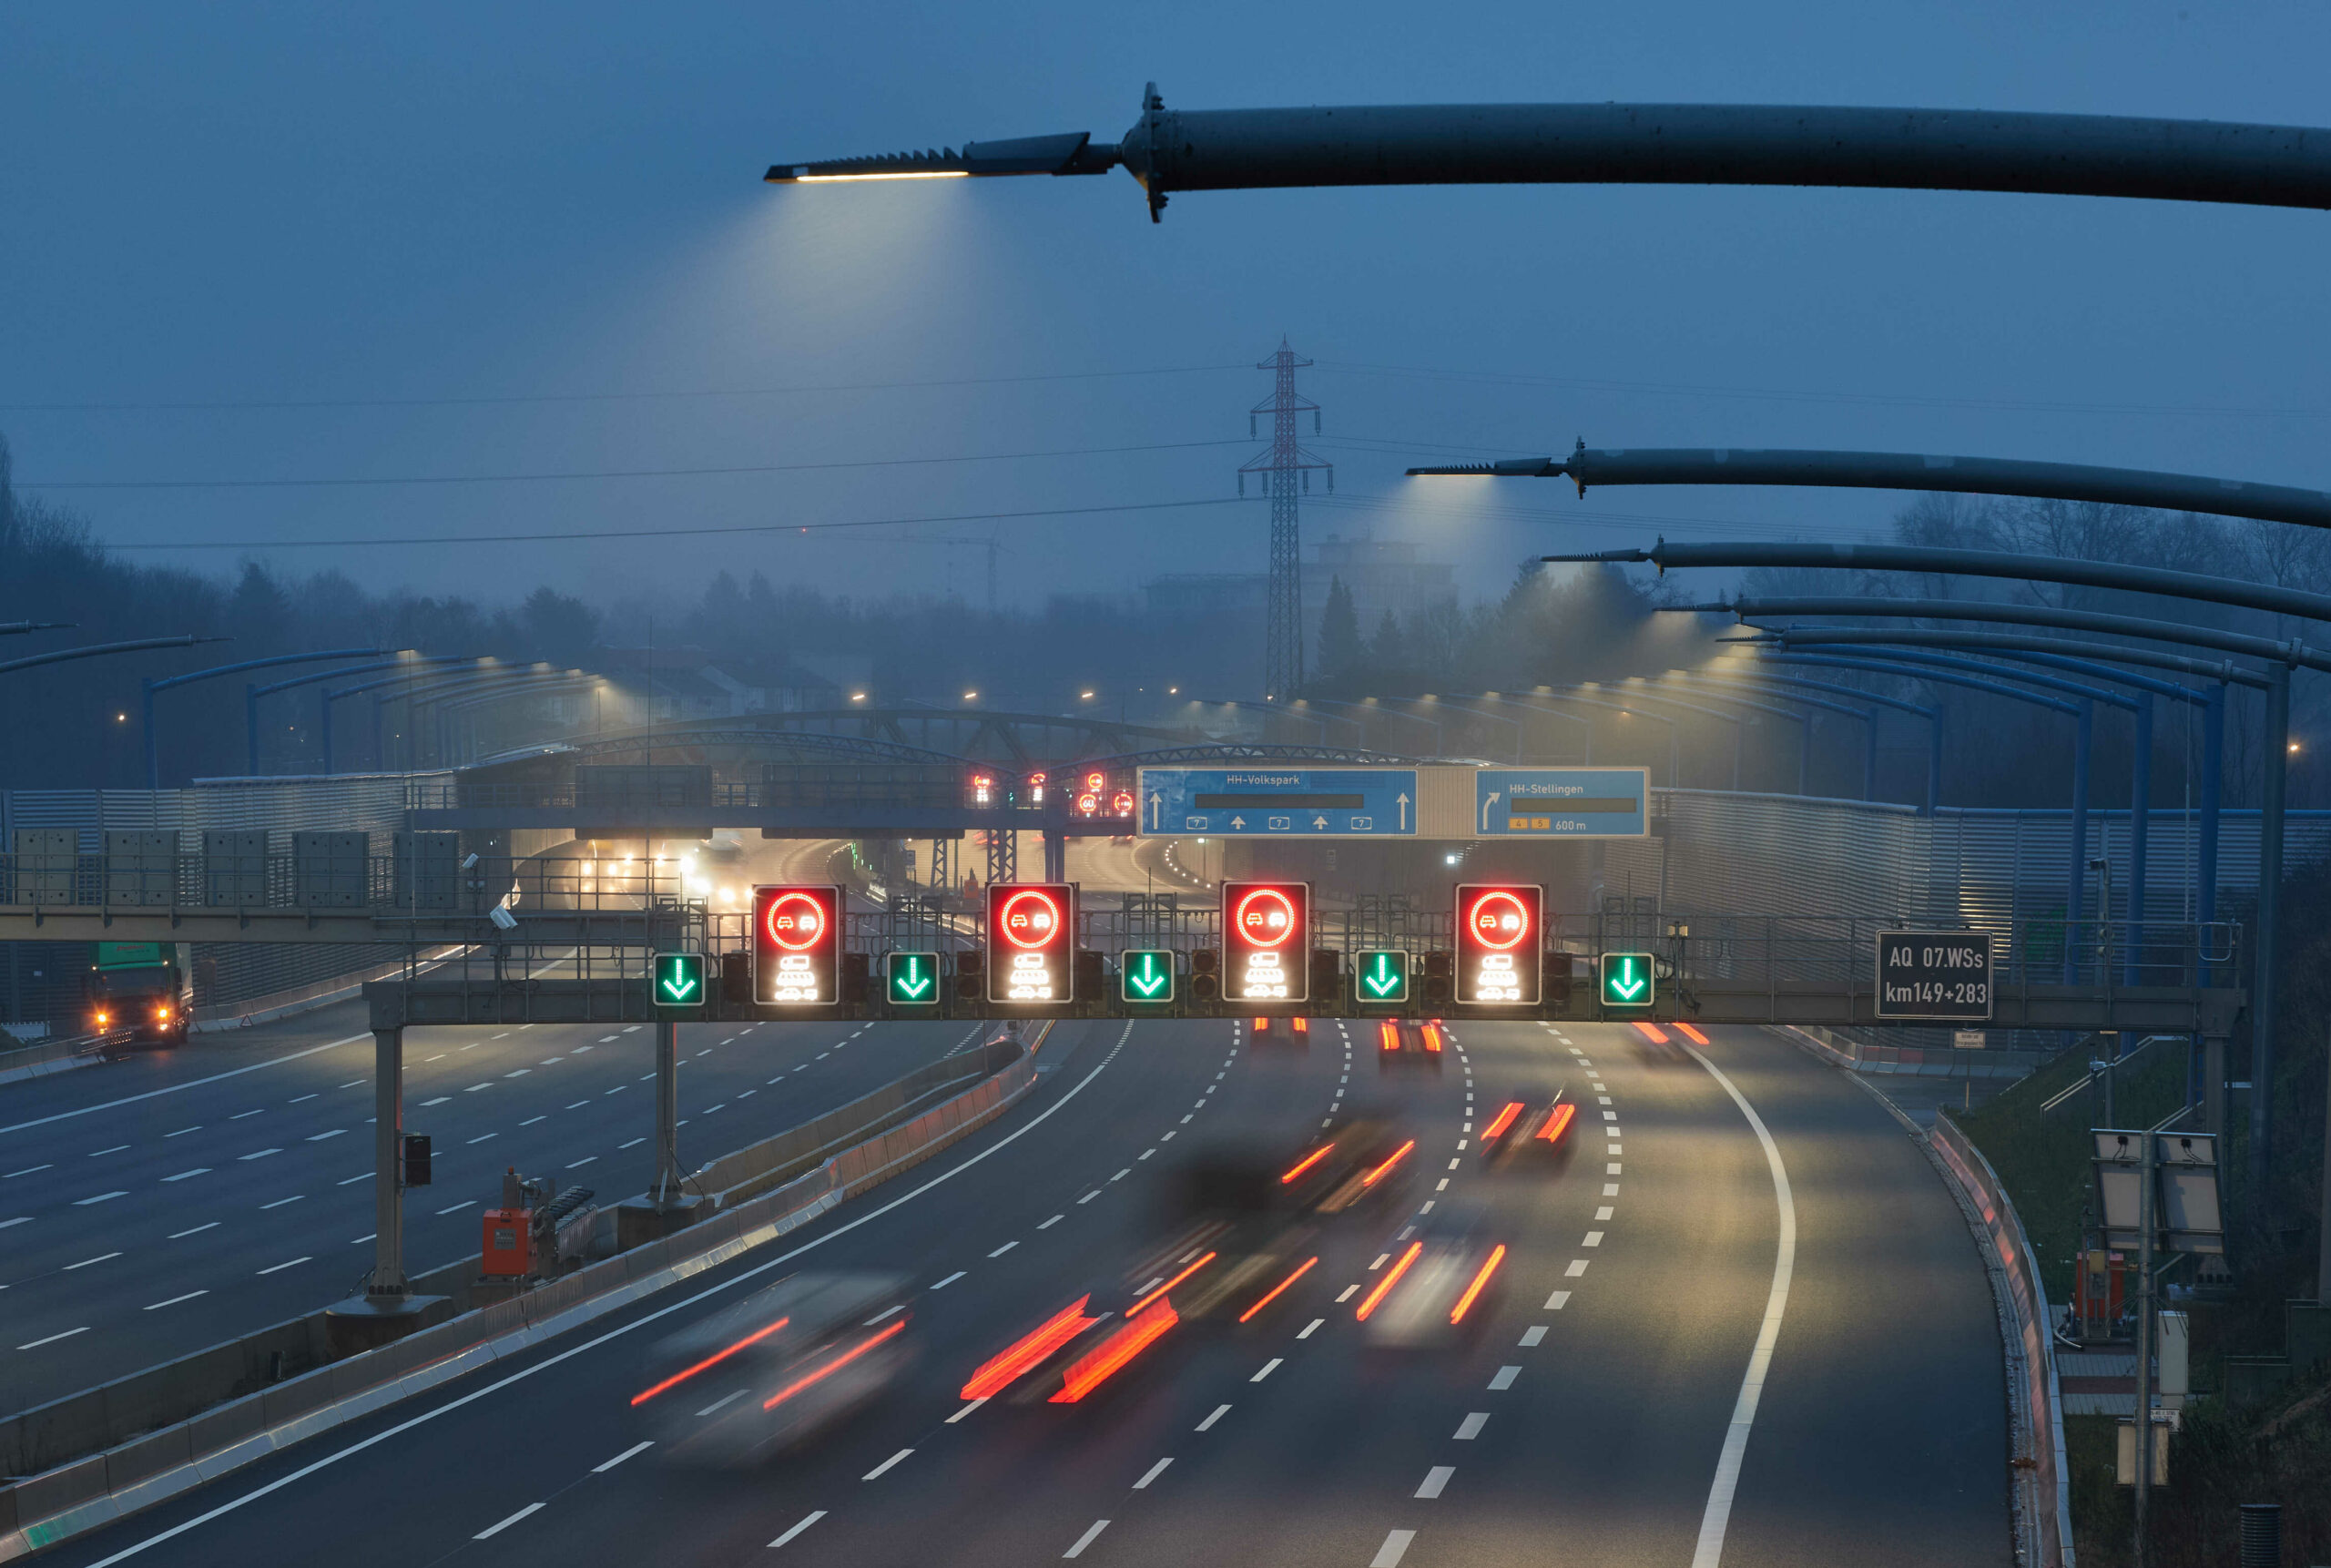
[{"x": 1934, "y": 974}]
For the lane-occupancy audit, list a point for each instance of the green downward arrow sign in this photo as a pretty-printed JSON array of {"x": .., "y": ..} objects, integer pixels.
[
  {"x": 679, "y": 985},
  {"x": 1381, "y": 979},
  {"x": 1626, "y": 985},
  {"x": 908, "y": 980},
  {"x": 1148, "y": 982}
]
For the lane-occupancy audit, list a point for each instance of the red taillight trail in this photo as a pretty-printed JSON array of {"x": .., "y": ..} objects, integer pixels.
[
  {"x": 1398, "y": 1154},
  {"x": 1161, "y": 1290},
  {"x": 1651, "y": 1031},
  {"x": 835, "y": 1365},
  {"x": 1109, "y": 1357},
  {"x": 1694, "y": 1035},
  {"x": 1313, "y": 1158},
  {"x": 1465, "y": 1302},
  {"x": 1558, "y": 1122},
  {"x": 1000, "y": 1371},
  {"x": 1391, "y": 1277},
  {"x": 1275, "y": 1290},
  {"x": 1505, "y": 1120},
  {"x": 712, "y": 1360},
  {"x": 1387, "y": 1034}
]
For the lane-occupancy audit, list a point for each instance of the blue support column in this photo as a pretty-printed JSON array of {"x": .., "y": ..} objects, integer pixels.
[
  {"x": 2140, "y": 831},
  {"x": 2276, "y": 767},
  {"x": 2075, "y": 893},
  {"x": 146, "y": 718},
  {"x": 1934, "y": 759}
]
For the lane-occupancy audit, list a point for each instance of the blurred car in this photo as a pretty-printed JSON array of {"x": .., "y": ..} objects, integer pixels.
[
  {"x": 1294, "y": 1031},
  {"x": 776, "y": 1369},
  {"x": 1408, "y": 1043},
  {"x": 1521, "y": 1130},
  {"x": 1438, "y": 1289}
]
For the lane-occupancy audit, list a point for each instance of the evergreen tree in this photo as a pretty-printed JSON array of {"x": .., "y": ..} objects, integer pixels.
[
  {"x": 1340, "y": 647},
  {"x": 1387, "y": 651}
]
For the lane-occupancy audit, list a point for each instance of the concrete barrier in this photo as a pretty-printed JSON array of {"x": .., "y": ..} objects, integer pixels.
[
  {"x": 77, "y": 1494},
  {"x": 2043, "y": 1492}
]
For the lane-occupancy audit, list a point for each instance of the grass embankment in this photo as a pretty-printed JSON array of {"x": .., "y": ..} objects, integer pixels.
[{"x": 2276, "y": 1451}]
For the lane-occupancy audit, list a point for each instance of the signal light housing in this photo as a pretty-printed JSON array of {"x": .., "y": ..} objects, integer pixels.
[
  {"x": 797, "y": 945},
  {"x": 1501, "y": 939}
]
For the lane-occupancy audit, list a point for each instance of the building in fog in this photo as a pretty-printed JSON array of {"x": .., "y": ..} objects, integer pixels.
[
  {"x": 1202, "y": 596},
  {"x": 1380, "y": 573}
]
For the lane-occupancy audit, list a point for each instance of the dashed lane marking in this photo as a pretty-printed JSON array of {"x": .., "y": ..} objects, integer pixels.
[
  {"x": 632, "y": 1452},
  {"x": 808, "y": 1519},
  {"x": 1504, "y": 1377},
  {"x": 883, "y": 1468},
  {"x": 493, "y": 1530},
  {"x": 1395, "y": 1547},
  {"x": 1471, "y": 1427},
  {"x": 1219, "y": 1411},
  {"x": 1086, "y": 1539},
  {"x": 1152, "y": 1473}
]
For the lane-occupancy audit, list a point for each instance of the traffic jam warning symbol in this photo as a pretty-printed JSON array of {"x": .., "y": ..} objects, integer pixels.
[
  {"x": 1267, "y": 941},
  {"x": 797, "y": 944},
  {"x": 1498, "y": 944},
  {"x": 1938, "y": 975},
  {"x": 1031, "y": 940}
]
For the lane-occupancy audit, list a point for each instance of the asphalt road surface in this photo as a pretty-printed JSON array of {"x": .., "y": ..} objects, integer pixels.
[
  {"x": 157, "y": 1206},
  {"x": 1599, "y": 1417}
]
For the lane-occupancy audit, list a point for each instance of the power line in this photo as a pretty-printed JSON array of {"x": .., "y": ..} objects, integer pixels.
[
  {"x": 365, "y": 480},
  {"x": 1788, "y": 394},
  {"x": 188, "y": 405},
  {"x": 314, "y": 544}
]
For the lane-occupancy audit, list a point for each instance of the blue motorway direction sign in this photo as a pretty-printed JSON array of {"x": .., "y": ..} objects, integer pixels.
[
  {"x": 1561, "y": 802},
  {"x": 1281, "y": 802}
]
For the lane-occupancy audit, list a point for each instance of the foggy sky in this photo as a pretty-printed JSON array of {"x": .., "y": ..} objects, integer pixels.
[{"x": 445, "y": 244}]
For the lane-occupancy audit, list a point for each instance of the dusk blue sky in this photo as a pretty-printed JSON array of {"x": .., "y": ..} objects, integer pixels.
[{"x": 349, "y": 221}]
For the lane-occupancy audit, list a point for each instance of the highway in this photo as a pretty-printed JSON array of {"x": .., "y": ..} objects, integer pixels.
[
  {"x": 1587, "y": 1422},
  {"x": 155, "y": 1207}
]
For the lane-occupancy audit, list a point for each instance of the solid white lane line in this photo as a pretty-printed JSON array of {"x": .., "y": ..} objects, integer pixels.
[
  {"x": 632, "y": 1452},
  {"x": 967, "y": 1409},
  {"x": 1717, "y": 1515},
  {"x": 295, "y": 1263},
  {"x": 1435, "y": 1480},
  {"x": 174, "y": 1301},
  {"x": 886, "y": 1464},
  {"x": 1086, "y": 1539},
  {"x": 1504, "y": 1379},
  {"x": 1219, "y": 1411},
  {"x": 190, "y": 1083},
  {"x": 100, "y": 1258},
  {"x": 493, "y": 1530},
  {"x": 463, "y": 1402},
  {"x": 1533, "y": 1335},
  {"x": 1152, "y": 1473},
  {"x": 1395, "y": 1547},
  {"x": 196, "y": 1231},
  {"x": 1270, "y": 1367},
  {"x": 949, "y": 1280},
  {"x": 812, "y": 1518},
  {"x": 1471, "y": 1427},
  {"x": 53, "y": 1339}
]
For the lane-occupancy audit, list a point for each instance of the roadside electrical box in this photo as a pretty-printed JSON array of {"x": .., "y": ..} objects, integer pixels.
[{"x": 506, "y": 1249}]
